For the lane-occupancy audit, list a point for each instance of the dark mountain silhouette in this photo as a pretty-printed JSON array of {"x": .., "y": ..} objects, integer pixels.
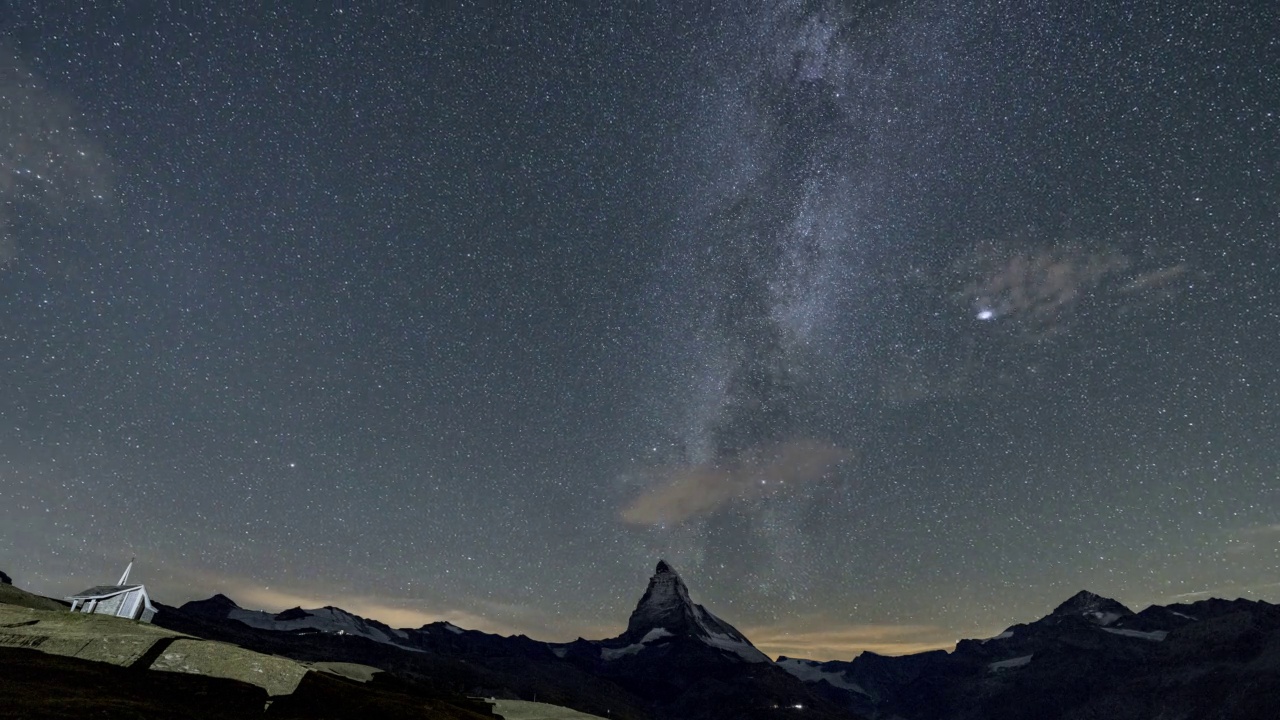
[
  {"x": 1091, "y": 657},
  {"x": 666, "y": 610},
  {"x": 687, "y": 663},
  {"x": 675, "y": 660}
]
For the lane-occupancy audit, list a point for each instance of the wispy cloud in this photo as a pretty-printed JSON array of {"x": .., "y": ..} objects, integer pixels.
[
  {"x": 684, "y": 492},
  {"x": 1159, "y": 278},
  {"x": 1254, "y": 531},
  {"x": 1036, "y": 289},
  {"x": 1253, "y": 539},
  {"x": 45, "y": 161},
  {"x": 1189, "y": 596},
  {"x": 396, "y": 613},
  {"x": 1263, "y": 589},
  {"x": 816, "y": 639}
]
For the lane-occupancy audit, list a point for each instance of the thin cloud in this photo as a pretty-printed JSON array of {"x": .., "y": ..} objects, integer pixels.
[
  {"x": 499, "y": 618},
  {"x": 1261, "y": 590},
  {"x": 1194, "y": 595},
  {"x": 45, "y": 160},
  {"x": 1256, "y": 531},
  {"x": 398, "y": 612},
  {"x": 1036, "y": 290},
  {"x": 1159, "y": 278},
  {"x": 395, "y": 614},
  {"x": 686, "y": 492},
  {"x": 1253, "y": 539},
  {"x": 1036, "y": 287},
  {"x": 842, "y": 642}
]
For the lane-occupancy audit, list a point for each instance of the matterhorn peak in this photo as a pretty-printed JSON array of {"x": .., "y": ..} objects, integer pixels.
[
  {"x": 1093, "y": 607},
  {"x": 665, "y": 604},
  {"x": 666, "y": 609}
]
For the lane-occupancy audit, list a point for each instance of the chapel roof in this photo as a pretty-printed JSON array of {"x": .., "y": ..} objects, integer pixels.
[{"x": 101, "y": 591}]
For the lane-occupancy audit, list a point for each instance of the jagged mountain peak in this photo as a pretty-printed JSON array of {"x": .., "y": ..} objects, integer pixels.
[
  {"x": 294, "y": 613},
  {"x": 666, "y": 609},
  {"x": 442, "y": 625},
  {"x": 665, "y": 604},
  {"x": 216, "y": 607},
  {"x": 1094, "y": 607},
  {"x": 328, "y": 619}
]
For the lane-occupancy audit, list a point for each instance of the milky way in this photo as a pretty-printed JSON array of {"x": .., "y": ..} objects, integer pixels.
[{"x": 887, "y": 323}]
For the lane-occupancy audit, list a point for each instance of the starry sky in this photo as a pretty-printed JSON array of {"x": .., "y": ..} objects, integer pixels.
[{"x": 887, "y": 323}]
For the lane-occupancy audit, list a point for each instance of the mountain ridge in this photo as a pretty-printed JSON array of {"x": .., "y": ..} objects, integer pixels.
[
  {"x": 675, "y": 660},
  {"x": 1092, "y": 653}
]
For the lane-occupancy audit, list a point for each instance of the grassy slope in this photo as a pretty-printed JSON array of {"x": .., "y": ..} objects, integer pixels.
[
  {"x": 39, "y": 685},
  {"x": 11, "y": 595},
  {"x": 58, "y": 664},
  {"x": 128, "y": 643},
  {"x": 525, "y": 710}
]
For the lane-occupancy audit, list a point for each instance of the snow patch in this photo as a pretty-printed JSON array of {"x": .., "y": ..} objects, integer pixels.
[
  {"x": 735, "y": 646},
  {"x": 1182, "y": 615},
  {"x": 812, "y": 671},
  {"x": 327, "y": 620},
  {"x": 1154, "y": 635},
  {"x": 655, "y": 634},
  {"x": 559, "y": 652},
  {"x": 1105, "y": 618},
  {"x": 615, "y": 653},
  {"x": 632, "y": 649},
  {"x": 1002, "y": 636},
  {"x": 1011, "y": 663}
]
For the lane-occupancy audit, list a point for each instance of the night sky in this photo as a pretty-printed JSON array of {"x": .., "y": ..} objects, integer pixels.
[{"x": 886, "y": 323}]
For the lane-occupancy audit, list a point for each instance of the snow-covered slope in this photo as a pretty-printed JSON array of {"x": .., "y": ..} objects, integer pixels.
[
  {"x": 813, "y": 671},
  {"x": 615, "y": 653},
  {"x": 331, "y": 620},
  {"x": 326, "y": 619}
]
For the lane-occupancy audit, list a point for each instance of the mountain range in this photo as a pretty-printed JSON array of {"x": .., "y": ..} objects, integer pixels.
[{"x": 1091, "y": 657}]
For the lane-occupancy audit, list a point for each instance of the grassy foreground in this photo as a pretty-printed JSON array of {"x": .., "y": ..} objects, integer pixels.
[
  {"x": 59, "y": 664},
  {"x": 526, "y": 710}
]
